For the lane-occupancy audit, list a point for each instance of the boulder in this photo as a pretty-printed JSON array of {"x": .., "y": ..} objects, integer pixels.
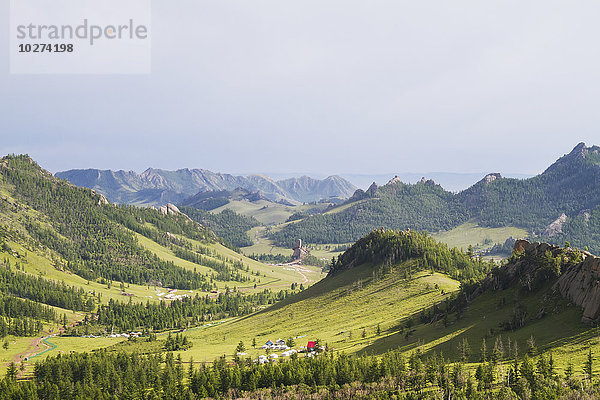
[{"x": 372, "y": 190}]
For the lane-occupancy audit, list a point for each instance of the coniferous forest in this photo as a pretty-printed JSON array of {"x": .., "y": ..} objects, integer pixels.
[{"x": 501, "y": 374}]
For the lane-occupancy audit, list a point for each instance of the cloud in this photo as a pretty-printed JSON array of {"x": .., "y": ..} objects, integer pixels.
[{"x": 328, "y": 86}]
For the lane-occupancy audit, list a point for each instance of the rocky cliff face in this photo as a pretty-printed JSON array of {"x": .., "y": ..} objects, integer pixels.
[
  {"x": 579, "y": 282},
  {"x": 577, "y": 278},
  {"x": 581, "y": 285}
]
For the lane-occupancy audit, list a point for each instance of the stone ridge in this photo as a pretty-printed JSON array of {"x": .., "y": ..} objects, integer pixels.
[{"x": 581, "y": 285}]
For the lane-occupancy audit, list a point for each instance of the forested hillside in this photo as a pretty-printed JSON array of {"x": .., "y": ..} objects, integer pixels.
[
  {"x": 88, "y": 233},
  {"x": 571, "y": 186},
  {"x": 97, "y": 240},
  {"x": 230, "y": 226},
  {"x": 393, "y": 327},
  {"x": 423, "y": 206}
]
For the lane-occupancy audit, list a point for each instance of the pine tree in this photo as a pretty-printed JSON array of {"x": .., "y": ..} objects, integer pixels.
[
  {"x": 588, "y": 366},
  {"x": 569, "y": 371},
  {"x": 12, "y": 372},
  {"x": 483, "y": 350}
]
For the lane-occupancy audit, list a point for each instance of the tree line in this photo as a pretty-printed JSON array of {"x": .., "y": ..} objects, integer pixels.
[
  {"x": 227, "y": 224},
  {"x": 43, "y": 290},
  {"x": 118, "y": 375},
  {"x": 184, "y": 313}
]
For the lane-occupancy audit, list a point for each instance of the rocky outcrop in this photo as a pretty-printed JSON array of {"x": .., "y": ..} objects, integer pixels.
[
  {"x": 522, "y": 270},
  {"x": 372, "y": 190},
  {"x": 395, "y": 180},
  {"x": 555, "y": 227},
  {"x": 300, "y": 251},
  {"x": 429, "y": 182},
  {"x": 579, "y": 281},
  {"x": 586, "y": 214},
  {"x": 101, "y": 199},
  {"x": 581, "y": 285},
  {"x": 169, "y": 209},
  {"x": 489, "y": 178}
]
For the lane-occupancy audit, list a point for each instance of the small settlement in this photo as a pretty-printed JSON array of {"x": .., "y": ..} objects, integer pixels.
[{"x": 311, "y": 348}]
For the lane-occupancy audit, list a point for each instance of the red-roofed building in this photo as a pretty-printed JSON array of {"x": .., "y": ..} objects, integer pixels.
[{"x": 311, "y": 346}]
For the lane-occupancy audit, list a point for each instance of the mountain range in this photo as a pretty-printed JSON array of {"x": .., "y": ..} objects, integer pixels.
[
  {"x": 451, "y": 181},
  {"x": 155, "y": 187},
  {"x": 561, "y": 204}
]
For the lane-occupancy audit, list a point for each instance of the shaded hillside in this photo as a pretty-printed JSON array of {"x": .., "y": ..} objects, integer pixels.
[
  {"x": 571, "y": 186},
  {"x": 158, "y": 187}
]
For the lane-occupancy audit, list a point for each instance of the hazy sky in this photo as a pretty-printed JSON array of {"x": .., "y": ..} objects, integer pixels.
[{"x": 326, "y": 86}]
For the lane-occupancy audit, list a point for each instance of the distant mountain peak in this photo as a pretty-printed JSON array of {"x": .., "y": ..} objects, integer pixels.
[
  {"x": 580, "y": 148},
  {"x": 157, "y": 187},
  {"x": 579, "y": 153}
]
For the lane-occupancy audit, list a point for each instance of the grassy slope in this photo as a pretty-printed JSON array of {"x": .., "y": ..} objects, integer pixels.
[
  {"x": 328, "y": 310},
  {"x": 335, "y": 307},
  {"x": 562, "y": 332},
  {"x": 343, "y": 207},
  {"x": 265, "y": 212},
  {"x": 471, "y": 234},
  {"x": 483, "y": 318}
]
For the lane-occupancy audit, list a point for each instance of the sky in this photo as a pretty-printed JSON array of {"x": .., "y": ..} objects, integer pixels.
[{"x": 325, "y": 87}]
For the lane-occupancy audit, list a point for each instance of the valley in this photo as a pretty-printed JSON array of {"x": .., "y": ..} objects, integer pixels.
[{"x": 211, "y": 281}]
